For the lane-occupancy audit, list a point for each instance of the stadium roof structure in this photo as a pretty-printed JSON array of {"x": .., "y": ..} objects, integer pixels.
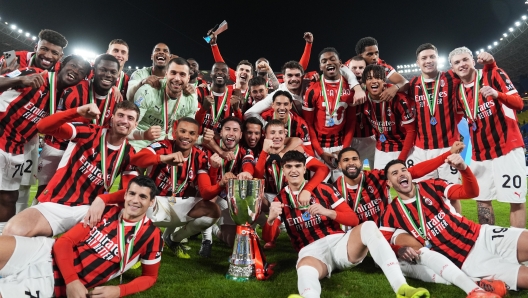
[{"x": 14, "y": 38}]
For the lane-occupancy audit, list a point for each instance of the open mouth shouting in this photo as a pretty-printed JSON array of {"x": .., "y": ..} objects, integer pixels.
[
  {"x": 230, "y": 142},
  {"x": 46, "y": 64},
  {"x": 219, "y": 80},
  {"x": 331, "y": 70},
  {"x": 404, "y": 182},
  {"x": 160, "y": 59}
]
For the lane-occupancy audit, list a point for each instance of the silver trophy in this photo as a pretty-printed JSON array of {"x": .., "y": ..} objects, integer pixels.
[{"x": 247, "y": 261}]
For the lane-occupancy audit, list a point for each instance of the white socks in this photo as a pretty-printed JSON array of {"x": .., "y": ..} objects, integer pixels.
[
  {"x": 445, "y": 268},
  {"x": 308, "y": 282},
  {"x": 23, "y": 198},
  {"x": 382, "y": 254},
  {"x": 422, "y": 273},
  {"x": 207, "y": 234},
  {"x": 193, "y": 227}
]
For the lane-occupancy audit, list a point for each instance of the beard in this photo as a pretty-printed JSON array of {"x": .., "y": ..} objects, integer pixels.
[{"x": 353, "y": 176}]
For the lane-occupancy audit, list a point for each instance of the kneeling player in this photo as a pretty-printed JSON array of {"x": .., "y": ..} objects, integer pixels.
[
  {"x": 87, "y": 257},
  {"x": 315, "y": 233}
]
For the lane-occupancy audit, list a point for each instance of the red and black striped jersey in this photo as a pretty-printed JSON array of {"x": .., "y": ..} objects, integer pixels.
[
  {"x": 497, "y": 131},
  {"x": 363, "y": 128},
  {"x": 296, "y": 126},
  {"x": 20, "y": 111},
  {"x": 206, "y": 117},
  {"x": 388, "y": 119},
  {"x": 446, "y": 115},
  {"x": 389, "y": 70},
  {"x": 273, "y": 171},
  {"x": 79, "y": 178},
  {"x": 244, "y": 155},
  {"x": 97, "y": 257},
  {"x": 122, "y": 84},
  {"x": 448, "y": 232},
  {"x": 303, "y": 228},
  {"x": 186, "y": 174},
  {"x": 374, "y": 196},
  {"x": 329, "y": 126},
  {"x": 77, "y": 96}
]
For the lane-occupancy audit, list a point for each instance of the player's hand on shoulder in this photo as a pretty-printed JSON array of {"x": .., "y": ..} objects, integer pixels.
[
  {"x": 457, "y": 147},
  {"x": 388, "y": 93},
  {"x": 89, "y": 111},
  {"x": 152, "y": 133},
  {"x": 359, "y": 95},
  {"x": 76, "y": 289},
  {"x": 106, "y": 292},
  {"x": 153, "y": 81},
  {"x": 456, "y": 161},
  {"x": 304, "y": 198},
  {"x": 95, "y": 213}
]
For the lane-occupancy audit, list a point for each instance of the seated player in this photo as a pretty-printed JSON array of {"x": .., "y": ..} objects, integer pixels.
[
  {"x": 480, "y": 251},
  {"x": 269, "y": 169},
  {"x": 98, "y": 90},
  {"x": 393, "y": 121},
  {"x": 315, "y": 233},
  {"x": 179, "y": 168},
  {"x": 33, "y": 96},
  {"x": 92, "y": 162},
  {"x": 294, "y": 124},
  {"x": 86, "y": 258}
]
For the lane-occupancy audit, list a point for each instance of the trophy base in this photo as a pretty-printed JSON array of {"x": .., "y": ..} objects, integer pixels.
[{"x": 241, "y": 273}]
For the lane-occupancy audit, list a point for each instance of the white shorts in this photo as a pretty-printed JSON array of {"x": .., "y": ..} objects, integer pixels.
[
  {"x": 445, "y": 171},
  {"x": 381, "y": 159},
  {"x": 12, "y": 167},
  {"x": 31, "y": 154},
  {"x": 502, "y": 178},
  {"x": 331, "y": 250},
  {"x": 366, "y": 148},
  {"x": 30, "y": 269},
  {"x": 61, "y": 217},
  {"x": 495, "y": 255},
  {"x": 48, "y": 163},
  {"x": 172, "y": 211}
]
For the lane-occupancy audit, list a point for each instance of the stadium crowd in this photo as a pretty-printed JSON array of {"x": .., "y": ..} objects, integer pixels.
[{"x": 176, "y": 139}]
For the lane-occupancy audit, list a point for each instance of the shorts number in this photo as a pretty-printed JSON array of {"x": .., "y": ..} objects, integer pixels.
[
  {"x": 498, "y": 231},
  {"x": 20, "y": 168},
  {"x": 453, "y": 170},
  {"x": 410, "y": 163},
  {"x": 516, "y": 181}
]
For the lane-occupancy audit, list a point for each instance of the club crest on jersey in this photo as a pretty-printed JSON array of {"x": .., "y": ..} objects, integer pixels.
[
  {"x": 389, "y": 112},
  {"x": 428, "y": 201},
  {"x": 190, "y": 173},
  {"x": 371, "y": 189}
]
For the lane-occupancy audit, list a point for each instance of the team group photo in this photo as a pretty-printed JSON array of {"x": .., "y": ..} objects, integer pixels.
[{"x": 291, "y": 150}]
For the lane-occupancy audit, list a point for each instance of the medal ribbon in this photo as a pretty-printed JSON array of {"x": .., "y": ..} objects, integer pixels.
[
  {"x": 420, "y": 232},
  {"x": 175, "y": 187},
  {"x": 52, "y": 90},
  {"x": 344, "y": 190},
  {"x": 102, "y": 147},
  {"x": 106, "y": 104},
  {"x": 476, "y": 89},
  {"x": 166, "y": 114},
  {"x": 292, "y": 201},
  {"x": 277, "y": 174},
  {"x": 431, "y": 102},
  {"x": 121, "y": 81},
  {"x": 32, "y": 60},
  {"x": 124, "y": 253},
  {"x": 216, "y": 115},
  {"x": 231, "y": 163},
  {"x": 383, "y": 117},
  {"x": 338, "y": 97}
]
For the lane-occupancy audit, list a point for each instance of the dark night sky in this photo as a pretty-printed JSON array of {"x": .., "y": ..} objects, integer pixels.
[{"x": 269, "y": 28}]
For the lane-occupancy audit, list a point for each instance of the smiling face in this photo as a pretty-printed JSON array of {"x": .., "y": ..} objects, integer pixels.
[
  {"x": 371, "y": 54},
  {"x": 350, "y": 164},
  {"x": 281, "y": 107},
  {"x": 399, "y": 178},
  {"x": 293, "y": 78},
  {"x": 124, "y": 122},
  {"x": 243, "y": 74},
  {"x": 177, "y": 78},
  {"x": 220, "y": 73},
  {"x": 276, "y": 133},
  {"x": 230, "y": 134},
  {"x": 427, "y": 61},
  {"x": 137, "y": 202},
  {"x": 252, "y": 134},
  {"x": 374, "y": 85},
  {"x": 105, "y": 76},
  {"x": 329, "y": 64},
  {"x": 72, "y": 72},
  {"x": 258, "y": 92},
  {"x": 185, "y": 135},
  {"x": 160, "y": 55},
  {"x": 194, "y": 69},
  {"x": 294, "y": 172},
  {"x": 47, "y": 54},
  {"x": 120, "y": 51},
  {"x": 463, "y": 65}
]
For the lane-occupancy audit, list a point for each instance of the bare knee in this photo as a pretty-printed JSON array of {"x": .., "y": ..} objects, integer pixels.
[
  {"x": 205, "y": 208},
  {"x": 315, "y": 263},
  {"x": 28, "y": 223}
]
